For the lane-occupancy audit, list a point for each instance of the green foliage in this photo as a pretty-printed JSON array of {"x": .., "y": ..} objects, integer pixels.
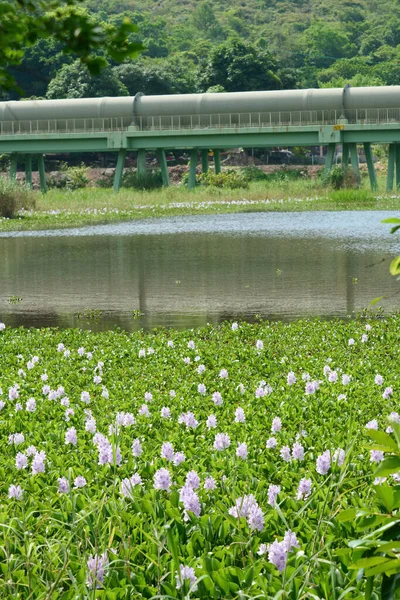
[
  {"x": 25, "y": 22},
  {"x": 14, "y": 197},
  {"x": 68, "y": 178},
  {"x": 231, "y": 178},
  {"x": 75, "y": 81},
  {"x": 339, "y": 178},
  {"x": 150, "y": 181}
]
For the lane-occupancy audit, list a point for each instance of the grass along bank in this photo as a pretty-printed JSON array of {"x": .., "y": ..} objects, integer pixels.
[
  {"x": 222, "y": 462},
  {"x": 92, "y": 205}
]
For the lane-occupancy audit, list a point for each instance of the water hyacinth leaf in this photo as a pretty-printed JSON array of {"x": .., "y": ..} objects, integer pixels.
[
  {"x": 389, "y": 547},
  {"x": 390, "y": 566},
  {"x": 376, "y": 300},
  {"x": 347, "y": 515},
  {"x": 370, "y": 562},
  {"x": 394, "y": 267},
  {"x": 383, "y": 439},
  {"x": 386, "y": 494},
  {"x": 388, "y": 466}
]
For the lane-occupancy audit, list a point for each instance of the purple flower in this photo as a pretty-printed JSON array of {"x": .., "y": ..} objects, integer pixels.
[
  {"x": 201, "y": 369},
  {"x": 165, "y": 412},
  {"x": 273, "y": 491},
  {"x": 297, "y": 451},
  {"x": 192, "y": 480},
  {"x": 255, "y": 518},
  {"x": 351, "y": 342},
  {"x": 85, "y": 397},
  {"x": 223, "y": 374},
  {"x": 201, "y": 388},
  {"x": 304, "y": 489},
  {"x": 387, "y": 393},
  {"x": 127, "y": 485},
  {"x": 276, "y": 425},
  {"x": 339, "y": 456},
  {"x": 191, "y": 345},
  {"x": 80, "y": 482},
  {"x": 372, "y": 425},
  {"x": 71, "y": 437},
  {"x": 38, "y": 463},
  {"x": 234, "y": 326},
  {"x": 137, "y": 448},
  {"x": 179, "y": 458},
  {"x": 167, "y": 451},
  {"x": 311, "y": 387},
  {"x": 239, "y": 415},
  {"x": 16, "y": 438},
  {"x": 144, "y": 410},
  {"x": 376, "y": 456},
  {"x": 190, "y": 501},
  {"x": 285, "y": 453},
  {"x": 394, "y": 416},
  {"x": 345, "y": 379},
  {"x": 188, "y": 419},
  {"x": 63, "y": 485},
  {"x": 277, "y": 555},
  {"x": 162, "y": 480},
  {"x": 21, "y": 461},
  {"x": 259, "y": 345},
  {"x": 291, "y": 378},
  {"x": 271, "y": 443},
  {"x": 323, "y": 463},
  {"x": 185, "y": 574},
  {"x": 241, "y": 451},
  {"x": 31, "y": 405},
  {"x": 290, "y": 540},
  {"x": 211, "y": 422},
  {"x": 90, "y": 425},
  {"x": 364, "y": 338},
  {"x": 333, "y": 377},
  {"x": 217, "y": 398},
  {"x": 97, "y": 566},
  {"x": 15, "y": 491},
  {"x": 222, "y": 441},
  {"x": 378, "y": 379},
  {"x": 210, "y": 483},
  {"x": 148, "y": 397}
]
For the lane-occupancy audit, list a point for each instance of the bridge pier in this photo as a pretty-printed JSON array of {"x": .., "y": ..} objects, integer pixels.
[
  {"x": 163, "y": 166},
  {"x": 371, "y": 168},
  {"x": 13, "y": 167},
  {"x": 28, "y": 170},
  {"x": 119, "y": 170},
  {"x": 204, "y": 161},
  {"x": 42, "y": 173},
  {"x": 391, "y": 167},
  {"x": 217, "y": 161},
  {"x": 141, "y": 162},
  {"x": 192, "y": 169},
  {"x": 329, "y": 160},
  {"x": 354, "y": 161}
]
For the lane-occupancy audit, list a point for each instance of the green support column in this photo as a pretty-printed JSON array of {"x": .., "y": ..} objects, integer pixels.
[
  {"x": 391, "y": 164},
  {"x": 141, "y": 163},
  {"x": 28, "y": 170},
  {"x": 398, "y": 166},
  {"x": 42, "y": 174},
  {"x": 345, "y": 156},
  {"x": 163, "y": 166},
  {"x": 371, "y": 168},
  {"x": 217, "y": 161},
  {"x": 119, "y": 170},
  {"x": 204, "y": 161},
  {"x": 354, "y": 161},
  {"x": 192, "y": 169},
  {"x": 329, "y": 160},
  {"x": 13, "y": 167}
]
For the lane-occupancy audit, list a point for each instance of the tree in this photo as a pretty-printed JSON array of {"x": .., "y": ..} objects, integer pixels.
[
  {"x": 75, "y": 81},
  {"x": 154, "y": 77},
  {"x": 24, "y": 22},
  {"x": 238, "y": 66},
  {"x": 326, "y": 42}
]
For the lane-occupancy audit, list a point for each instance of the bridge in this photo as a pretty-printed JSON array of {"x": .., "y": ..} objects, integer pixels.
[{"x": 30, "y": 130}]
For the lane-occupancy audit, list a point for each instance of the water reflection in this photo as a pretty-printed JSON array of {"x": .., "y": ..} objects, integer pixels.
[{"x": 186, "y": 279}]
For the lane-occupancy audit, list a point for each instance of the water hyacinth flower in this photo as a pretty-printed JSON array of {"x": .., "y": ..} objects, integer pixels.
[
  {"x": 46, "y": 390},
  {"x": 211, "y": 422},
  {"x": 191, "y": 345},
  {"x": 63, "y": 485},
  {"x": 179, "y": 458},
  {"x": 247, "y": 507},
  {"x": 223, "y": 374},
  {"x": 162, "y": 480},
  {"x": 71, "y": 436},
  {"x": 273, "y": 491},
  {"x": 201, "y": 388},
  {"x": 97, "y": 566},
  {"x": 376, "y": 456},
  {"x": 165, "y": 412},
  {"x": 2, "y": 404},
  {"x": 323, "y": 463},
  {"x": 31, "y": 405},
  {"x": 351, "y": 342},
  {"x": 16, "y": 439},
  {"x": 201, "y": 369},
  {"x": 185, "y": 574},
  {"x": 172, "y": 393},
  {"x": 333, "y": 377},
  {"x": 378, "y": 379},
  {"x": 85, "y": 397},
  {"x": 395, "y": 417},
  {"x": 262, "y": 549},
  {"x": 31, "y": 451},
  {"x": 105, "y": 394},
  {"x": 239, "y": 415},
  {"x": 188, "y": 419},
  {"x": 346, "y": 379},
  {"x": 13, "y": 392},
  {"x": 311, "y": 387},
  {"x": 128, "y": 485},
  {"x": 387, "y": 393},
  {"x": 97, "y": 379},
  {"x": 80, "y": 482},
  {"x": 271, "y": 443},
  {"x": 276, "y": 425},
  {"x": 148, "y": 397},
  {"x": 144, "y": 410},
  {"x": 222, "y": 441},
  {"x": 68, "y": 414},
  {"x": 297, "y": 451},
  {"x": 187, "y": 360},
  {"x": 81, "y": 351},
  {"x": 278, "y": 551},
  {"x": 167, "y": 451},
  {"x": 21, "y": 461},
  {"x": 304, "y": 489},
  {"x": 241, "y": 451},
  {"x": 259, "y": 345},
  {"x": 142, "y": 353},
  {"x": 210, "y": 483},
  {"x": 285, "y": 453},
  {"x": 170, "y": 344},
  {"x": 15, "y": 491},
  {"x": 38, "y": 465},
  {"x": 291, "y": 378},
  {"x": 234, "y": 326},
  {"x": 339, "y": 456},
  {"x": 364, "y": 338},
  {"x": 217, "y": 398},
  {"x": 372, "y": 425},
  {"x": 2, "y": 326},
  {"x": 190, "y": 501},
  {"x": 137, "y": 449}
]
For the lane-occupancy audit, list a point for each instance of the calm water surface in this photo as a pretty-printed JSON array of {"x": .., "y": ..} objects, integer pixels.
[{"x": 187, "y": 271}]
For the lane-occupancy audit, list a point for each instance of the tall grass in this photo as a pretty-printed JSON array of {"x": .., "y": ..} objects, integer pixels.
[{"x": 14, "y": 197}]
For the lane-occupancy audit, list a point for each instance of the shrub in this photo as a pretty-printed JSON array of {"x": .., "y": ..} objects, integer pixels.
[
  {"x": 69, "y": 178},
  {"x": 231, "y": 179},
  {"x": 150, "y": 181},
  {"x": 254, "y": 174},
  {"x": 14, "y": 197},
  {"x": 339, "y": 178}
]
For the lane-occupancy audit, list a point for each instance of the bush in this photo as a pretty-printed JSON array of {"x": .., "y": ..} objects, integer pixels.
[
  {"x": 339, "y": 178},
  {"x": 231, "y": 179},
  {"x": 254, "y": 174},
  {"x": 14, "y": 197},
  {"x": 150, "y": 181},
  {"x": 69, "y": 178}
]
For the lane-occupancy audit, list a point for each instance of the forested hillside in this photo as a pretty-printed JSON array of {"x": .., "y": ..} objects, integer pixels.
[{"x": 193, "y": 46}]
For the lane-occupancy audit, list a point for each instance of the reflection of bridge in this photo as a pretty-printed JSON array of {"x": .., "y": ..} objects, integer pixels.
[{"x": 205, "y": 121}]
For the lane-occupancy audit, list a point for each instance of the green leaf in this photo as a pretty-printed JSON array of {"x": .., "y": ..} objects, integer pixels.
[
  {"x": 388, "y": 466},
  {"x": 395, "y": 266},
  {"x": 376, "y": 300},
  {"x": 347, "y": 515},
  {"x": 370, "y": 562},
  {"x": 386, "y": 494},
  {"x": 391, "y": 220},
  {"x": 383, "y": 438}
]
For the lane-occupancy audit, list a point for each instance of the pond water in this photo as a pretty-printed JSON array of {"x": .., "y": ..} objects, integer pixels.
[{"x": 188, "y": 271}]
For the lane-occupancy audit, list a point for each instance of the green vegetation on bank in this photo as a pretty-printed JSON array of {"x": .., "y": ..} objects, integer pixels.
[{"x": 123, "y": 458}]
